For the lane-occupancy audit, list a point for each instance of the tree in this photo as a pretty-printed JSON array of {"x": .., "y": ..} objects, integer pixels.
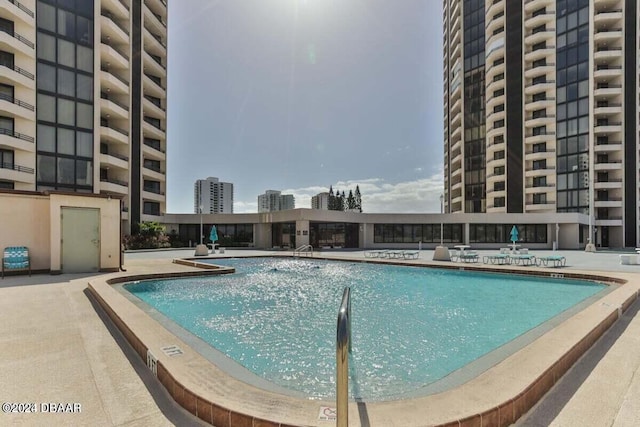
[
  {"x": 331, "y": 204},
  {"x": 351, "y": 202},
  {"x": 341, "y": 202},
  {"x": 358, "y": 199}
]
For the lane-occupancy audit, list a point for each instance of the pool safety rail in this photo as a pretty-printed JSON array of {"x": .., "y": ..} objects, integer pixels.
[
  {"x": 343, "y": 348},
  {"x": 303, "y": 250}
]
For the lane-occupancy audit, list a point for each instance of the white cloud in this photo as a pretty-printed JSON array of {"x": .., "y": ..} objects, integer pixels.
[{"x": 378, "y": 196}]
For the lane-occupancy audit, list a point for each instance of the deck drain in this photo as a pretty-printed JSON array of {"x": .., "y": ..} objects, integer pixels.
[{"x": 172, "y": 350}]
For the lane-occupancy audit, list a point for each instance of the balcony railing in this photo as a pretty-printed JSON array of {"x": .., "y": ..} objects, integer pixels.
[
  {"x": 15, "y": 167},
  {"x": 116, "y": 155},
  {"x": 153, "y": 122},
  {"x": 13, "y": 100},
  {"x": 114, "y": 20},
  {"x": 156, "y": 80},
  {"x": 107, "y": 125},
  {"x": 114, "y": 181},
  {"x": 106, "y": 96},
  {"x": 15, "y": 134},
  {"x": 106, "y": 70},
  {"x": 19, "y": 70},
  {"x": 153, "y": 143},
  {"x": 19, "y": 37},
  {"x": 22, "y": 7},
  {"x": 155, "y": 101}
]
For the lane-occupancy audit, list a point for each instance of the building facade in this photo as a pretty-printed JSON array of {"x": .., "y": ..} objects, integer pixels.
[
  {"x": 320, "y": 201},
  {"x": 541, "y": 108},
  {"x": 273, "y": 200},
  {"x": 212, "y": 196},
  {"x": 83, "y": 100}
]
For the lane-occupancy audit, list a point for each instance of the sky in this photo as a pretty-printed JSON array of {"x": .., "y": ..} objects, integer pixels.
[{"x": 300, "y": 95}]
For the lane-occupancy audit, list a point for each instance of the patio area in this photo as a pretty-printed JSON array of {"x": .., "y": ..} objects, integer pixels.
[{"x": 60, "y": 348}]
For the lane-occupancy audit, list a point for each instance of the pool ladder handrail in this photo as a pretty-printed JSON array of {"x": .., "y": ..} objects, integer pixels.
[
  {"x": 343, "y": 348},
  {"x": 304, "y": 249}
]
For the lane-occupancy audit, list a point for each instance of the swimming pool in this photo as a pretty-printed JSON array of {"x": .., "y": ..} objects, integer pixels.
[{"x": 411, "y": 326}]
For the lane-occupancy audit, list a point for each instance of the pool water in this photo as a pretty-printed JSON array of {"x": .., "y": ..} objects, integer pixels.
[{"x": 411, "y": 326}]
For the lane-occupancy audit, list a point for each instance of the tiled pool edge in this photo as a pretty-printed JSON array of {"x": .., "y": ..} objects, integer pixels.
[{"x": 499, "y": 414}]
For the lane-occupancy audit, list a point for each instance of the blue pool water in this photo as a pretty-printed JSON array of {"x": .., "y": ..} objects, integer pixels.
[{"x": 411, "y": 326}]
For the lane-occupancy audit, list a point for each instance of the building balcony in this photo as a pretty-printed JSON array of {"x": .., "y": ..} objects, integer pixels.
[
  {"x": 607, "y": 35},
  {"x": 115, "y": 32},
  {"x": 532, "y": 5},
  {"x": 152, "y": 130},
  {"x": 153, "y": 153},
  {"x": 608, "y": 128},
  {"x": 611, "y": 222},
  {"x": 607, "y": 73},
  {"x": 158, "y": 7},
  {"x": 548, "y": 188},
  {"x": 534, "y": 55},
  {"x": 116, "y": 8},
  {"x": 11, "y": 140},
  {"x": 457, "y": 159},
  {"x": 113, "y": 186},
  {"x": 16, "y": 76},
  {"x": 13, "y": 107},
  {"x": 548, "y": 17},
  {"x": 114, "y": 161},
  {"x": 610, "y": 147},
  {"x": 540, "y": 70},
  {"x": 112, "y": 83},
  {"x": 495, "y": 69},
  {"x": 494, "y": 7},
  {"x": 112, "y": 108},
  {"x": 493, "y": 24},
  {"x": 532, "y": 173},
  {"x": 495, "y": 100},
  {"x": 13, "y": 10},
  {"x": 540, "y": 207},
  {"x": 608, "y": 18},
  {"x": 153, "y": 65},
  {"x": 610, "y": 203},
  {"x": 152, "y": 196},
  {"x": 531, "y": 105},
  {"x": 153, "y": 88},
  {"x": 493, "y": 132},
  {"x": 155, "y": 23},
  {"x": 114, "y": 134},
  {"x": 543, "y": 137},
  {"x": 539, "y": 121},
  {"x": 609, "y": 110},
  {"x": 113, "y": 57},
  {"x": 456, "y": 106},
  {"x": 154, "y": 43},
  {"x": 540, "y": 36},
  {"x": 153, "y": 174},
  {"x": 607, "y": 54},
  {"x": 15, "y": 43},
  {"x": 540, "y": 155},
  {"x": 17, "y": 173},
  {"x": 546, "y": 86},
  {"x": 611, "y": 165}
]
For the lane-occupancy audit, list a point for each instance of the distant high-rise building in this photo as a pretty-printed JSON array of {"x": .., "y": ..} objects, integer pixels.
[
  {"x": 212, "y": 196},
  {"x": 320, "y": 201},
  {"x": 83, "y": 100},
  {"x": 273, "y": 200},
  {"x": 541, "y": 110}
]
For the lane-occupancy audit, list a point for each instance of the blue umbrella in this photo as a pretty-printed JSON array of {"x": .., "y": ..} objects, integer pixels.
[
  {"x": 213, "y": 236},
  {"x": 514, "y": 234}
]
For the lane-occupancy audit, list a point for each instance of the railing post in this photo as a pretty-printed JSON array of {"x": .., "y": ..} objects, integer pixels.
[{"x": 343, "y": 348}]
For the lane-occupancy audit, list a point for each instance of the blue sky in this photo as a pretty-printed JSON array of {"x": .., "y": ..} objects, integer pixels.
[{"x": 297, "y": 95}]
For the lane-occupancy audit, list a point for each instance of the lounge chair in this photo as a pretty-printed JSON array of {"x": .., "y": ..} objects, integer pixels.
[
  {"x": 16, "y": 258},
  {"x": 552, "y": 260},
  {"x": 468, "y": 256},
  {"x": 523, "y": 259},
  {"x": 374, "y": 253},
  {"x": 500, "y": 259},
  {"x": 395, "y": 254},
  {"x": 410, "y": 254}
]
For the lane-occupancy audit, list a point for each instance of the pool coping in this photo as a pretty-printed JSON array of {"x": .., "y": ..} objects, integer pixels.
[{"x": 498, "y": 396}]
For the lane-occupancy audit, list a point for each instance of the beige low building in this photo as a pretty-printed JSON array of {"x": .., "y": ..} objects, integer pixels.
[{"x": 64, "y": 232}]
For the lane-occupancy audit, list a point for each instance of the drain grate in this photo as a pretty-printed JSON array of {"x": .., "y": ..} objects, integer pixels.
[{"x": 172, "y": 350}]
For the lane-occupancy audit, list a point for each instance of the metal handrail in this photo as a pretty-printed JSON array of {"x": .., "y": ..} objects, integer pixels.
[
  {"x": 13, "y": 100},
  {"x": 20, "y": 38},
  {"x": 22, "y": 7},
  {"x": 19, "y": 71},
  {"x": 15, "y": 167},
  {"x": 343, "y": 347},
  {"x": 15, "y": 134},
  {"x": 304, "y": 249}
]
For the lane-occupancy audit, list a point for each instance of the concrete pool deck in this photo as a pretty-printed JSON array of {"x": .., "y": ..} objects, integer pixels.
[{"x": 58, "y": 348}]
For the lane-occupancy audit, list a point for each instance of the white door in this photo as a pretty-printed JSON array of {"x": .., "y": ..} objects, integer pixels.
[{"x": 80, "y": 245}]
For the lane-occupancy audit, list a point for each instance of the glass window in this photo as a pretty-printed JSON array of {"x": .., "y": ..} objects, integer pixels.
[
  {"x": 85, "y": 115},
  {"x": 46, "y": 77},
  {"x": 84, "y": 86},
  {"x": 84, "y": 172},
  {"x": 66, "y": 53},
  {"x": 46, "y": 47},
  {"x": 46, "y": 170},
  {"x": 46, "y": 108},
  {"x": 66, "y": 23},
  {"x": 66, "y": 112},
  {"x": 66, "y": 171},
  {"x": 46, "y": 17},
  {"x": 46, "y": 138},
  {"x": 66, "y": 143},
  {"x": 84, "y": 30},
  {"x": 66, "y": 82},
  {"x": 85, "y": 59},
  {"x": 84, "y": 144}
]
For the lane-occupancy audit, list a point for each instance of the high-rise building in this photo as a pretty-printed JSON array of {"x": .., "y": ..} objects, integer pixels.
[
  {"x": 212, "y": 196},
  {"x": 320, "y": 201},
  {"x": 83, "y": 100},
  {"x": 273, "y": 200},
  {"x": 541, "y": 110}
]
